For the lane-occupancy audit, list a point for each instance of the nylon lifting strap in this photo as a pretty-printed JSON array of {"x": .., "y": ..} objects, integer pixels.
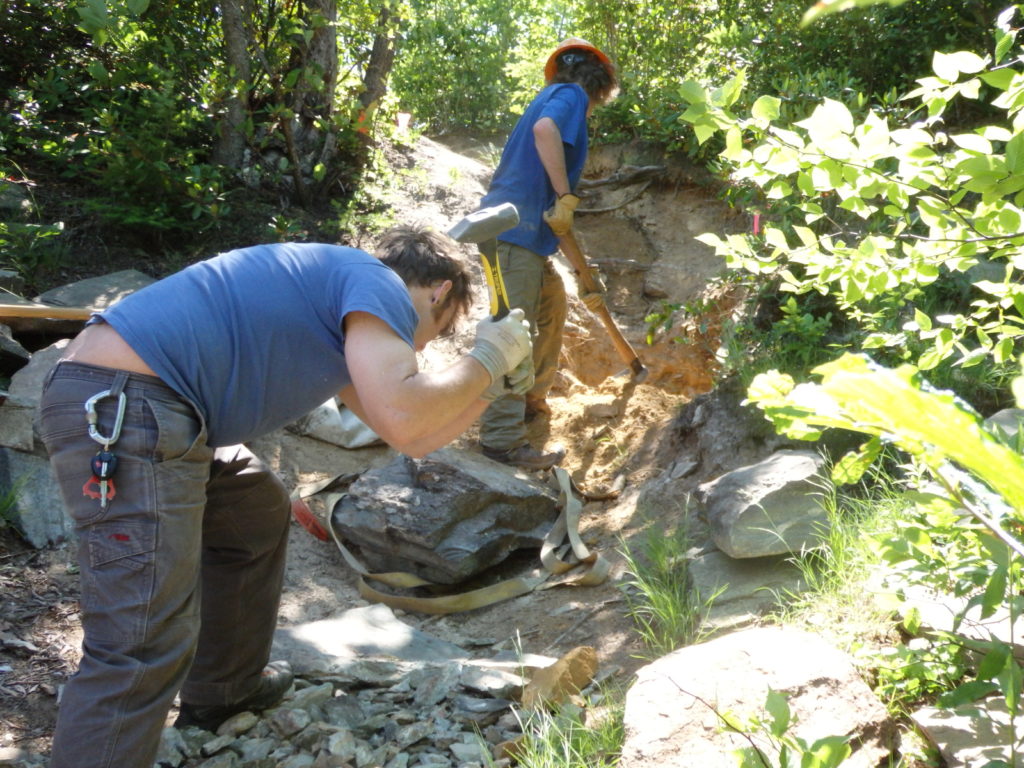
[{"x": 565, "y": 559}]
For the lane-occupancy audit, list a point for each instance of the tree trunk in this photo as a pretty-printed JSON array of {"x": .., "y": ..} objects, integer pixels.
[
  {"x": 312, "y": 101},
  {"x": 375, "y": 84},
  {"x": 229, "y": 148},
  {"x": 382, "y": 59}
]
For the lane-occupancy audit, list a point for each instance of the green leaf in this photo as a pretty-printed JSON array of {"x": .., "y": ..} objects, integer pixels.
[
  {"x": 807, "y": 236},
  {"x": 1004, "y": 42},
  {"x": 851, "y": 468},
  {"x": 727, "y": 95},
  {"x": 993, "y": 662},
  {"x": 828, "y": 752},
  {"x": 998, "y": 78},
  {"x": 766, "y": 108},
  {"x": 948, "y": 66},
  {"x": 777, "y": 705},
  {"x": 924, "y": 322},
  {"x": 995, "y": 591},
  {"x": 966, "y": 693},
  {"x": 94, "y": 16},
  {"x": 733, "y": 144},
  {"x": 692, "y": 92},
  {"x": 1003, "y": 350},
  {"x": 912, "y": 621},
  {"x": 776, "y": 238},
  {"x": 972, "y": 142},
  {"x": 704, "y": 132},
  {"x": 138, "y": 7},
  {"x": 1010, "y": 680},
  {"x": 1015, "y": 153},
  {"x": 931, "y": 359},
  {"x": 98, "y": 71}
]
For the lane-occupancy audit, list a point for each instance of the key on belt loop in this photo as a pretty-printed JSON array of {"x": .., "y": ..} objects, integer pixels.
[{"x": 92, "y": 417}]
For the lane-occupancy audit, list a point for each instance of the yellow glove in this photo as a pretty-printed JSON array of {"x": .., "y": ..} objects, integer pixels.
[
  {"x": 594, "y": 299},
  {"x": 559, "y": 218}
]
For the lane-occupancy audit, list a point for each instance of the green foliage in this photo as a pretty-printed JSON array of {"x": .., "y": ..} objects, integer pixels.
[
  {"x": 962, "y": 539},
  {"x": 773, "y": 743},
  {"x": 473, "y": 65},
  {"x": 666, "y": 609},
  {"x": 914, "y": 232},
  {"x": 30, "y": 248},
  {"x": 571, "y": 738},
  {"x": 908, "y": 675}
]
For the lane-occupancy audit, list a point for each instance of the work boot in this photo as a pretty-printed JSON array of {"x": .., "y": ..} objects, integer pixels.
[
  {"x": 274, "y": 683},
  {"x": 526, "y": 456}
]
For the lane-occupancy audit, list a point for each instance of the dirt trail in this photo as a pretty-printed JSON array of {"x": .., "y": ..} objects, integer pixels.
[{"x": 612, "y": 428}]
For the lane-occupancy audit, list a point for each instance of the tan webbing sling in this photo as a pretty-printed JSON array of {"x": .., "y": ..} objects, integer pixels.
[{"x": 565, "y": 559}]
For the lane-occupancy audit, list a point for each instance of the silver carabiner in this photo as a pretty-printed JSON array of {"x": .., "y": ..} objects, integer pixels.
[{"x": 93, "y": 418}]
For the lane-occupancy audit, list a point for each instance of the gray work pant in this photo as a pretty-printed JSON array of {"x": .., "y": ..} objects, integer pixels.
[
  {"x": 533, "y": 285},
  {"x": 181, "y": 573}
]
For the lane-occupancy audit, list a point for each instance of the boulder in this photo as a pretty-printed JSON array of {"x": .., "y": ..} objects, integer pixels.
[
  {"x": 768, "y": 508},
  {"x": 445, "y": 517},
  {"x": 97, "y": 292},
  {"x": 673, "y": 710},
  {"x": 38, "y": 509},
  {"x": 18, "y": 411}
]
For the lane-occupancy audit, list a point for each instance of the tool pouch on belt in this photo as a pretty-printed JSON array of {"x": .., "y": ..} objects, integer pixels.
[{"x": 425, "y": 535}]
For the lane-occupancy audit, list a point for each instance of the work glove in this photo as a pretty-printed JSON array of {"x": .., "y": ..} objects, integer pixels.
[
  {"x": 502, "y": 344},
  {"x": 594, "y": 299},
  {"x": 518, "y": 381},
  {"x": 559, "y": 218}
]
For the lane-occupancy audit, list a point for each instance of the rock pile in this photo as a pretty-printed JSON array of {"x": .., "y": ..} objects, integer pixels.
[{"x": 384, "y": 715}]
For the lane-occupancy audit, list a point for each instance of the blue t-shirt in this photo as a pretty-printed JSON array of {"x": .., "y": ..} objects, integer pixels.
[
  {"x": 520, "y": 177},
  {"x": 254, "y": 336}
]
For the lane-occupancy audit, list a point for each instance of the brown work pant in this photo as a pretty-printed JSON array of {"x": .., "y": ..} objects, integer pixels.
[
  {"x": 533, "y": 285},
  {"x": 181, "y": 572}
]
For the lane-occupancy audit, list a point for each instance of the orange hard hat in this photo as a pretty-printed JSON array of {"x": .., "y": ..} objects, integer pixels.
[{"x": 574, "y": 43}]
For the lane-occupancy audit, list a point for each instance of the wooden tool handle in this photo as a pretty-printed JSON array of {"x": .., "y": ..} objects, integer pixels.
[
  {"x": 44, "y": 310},
  {"x": 578, "y": 261}
]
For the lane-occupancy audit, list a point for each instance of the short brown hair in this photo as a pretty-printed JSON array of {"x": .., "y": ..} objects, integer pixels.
[
  {"x": 591, "y": 75},
  {"x": 422, "y": 257}
]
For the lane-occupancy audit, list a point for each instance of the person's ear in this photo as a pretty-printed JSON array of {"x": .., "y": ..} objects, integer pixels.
[{"x": 440, "y": 292}]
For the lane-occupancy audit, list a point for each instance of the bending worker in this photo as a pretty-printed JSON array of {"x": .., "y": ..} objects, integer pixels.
[
  {"x": 539, "y": 168},
  {"x": 181, "y": 530}
]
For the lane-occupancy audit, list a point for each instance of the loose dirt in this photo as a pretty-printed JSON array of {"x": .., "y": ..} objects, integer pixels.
[{"x": 642, "y": 238}]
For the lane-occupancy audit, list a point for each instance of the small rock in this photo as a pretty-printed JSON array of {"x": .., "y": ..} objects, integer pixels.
[
  {"x": 410, "y": 734},
  {"x": 238, "y": 724},
  {"x": 567, "y": 676},
  {"x": 222, "y": 760},
  {"x": 297, "y": 761},
  {"x": 287, "y": 722},
  {"x": 469, "y": 752},
  {"x": 214, "y": 746},
  {"x": 312, "y": 696}
]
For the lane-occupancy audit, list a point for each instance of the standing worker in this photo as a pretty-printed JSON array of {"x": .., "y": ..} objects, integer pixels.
[
  {"x": 181, "y": 530},
  {"x": 539, "y": 168}
]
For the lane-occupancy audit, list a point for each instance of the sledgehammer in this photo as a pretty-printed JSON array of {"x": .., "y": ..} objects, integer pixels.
[{"x": 483, "y": 227}]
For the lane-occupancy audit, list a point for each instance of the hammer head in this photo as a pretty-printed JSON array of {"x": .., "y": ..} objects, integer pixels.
[{"x": 485, "y": 224}]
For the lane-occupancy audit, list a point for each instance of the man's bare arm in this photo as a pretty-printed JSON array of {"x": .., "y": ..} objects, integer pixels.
[{"x": 413, "y": 411}]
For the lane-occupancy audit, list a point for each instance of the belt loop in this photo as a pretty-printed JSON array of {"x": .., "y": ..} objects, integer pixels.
[{"x": 120, "y": 380}]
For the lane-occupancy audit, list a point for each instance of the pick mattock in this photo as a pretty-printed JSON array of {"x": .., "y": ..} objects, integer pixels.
[
  {"x": 578, "y": 261},
  {"x": 483, "y": 227}
]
